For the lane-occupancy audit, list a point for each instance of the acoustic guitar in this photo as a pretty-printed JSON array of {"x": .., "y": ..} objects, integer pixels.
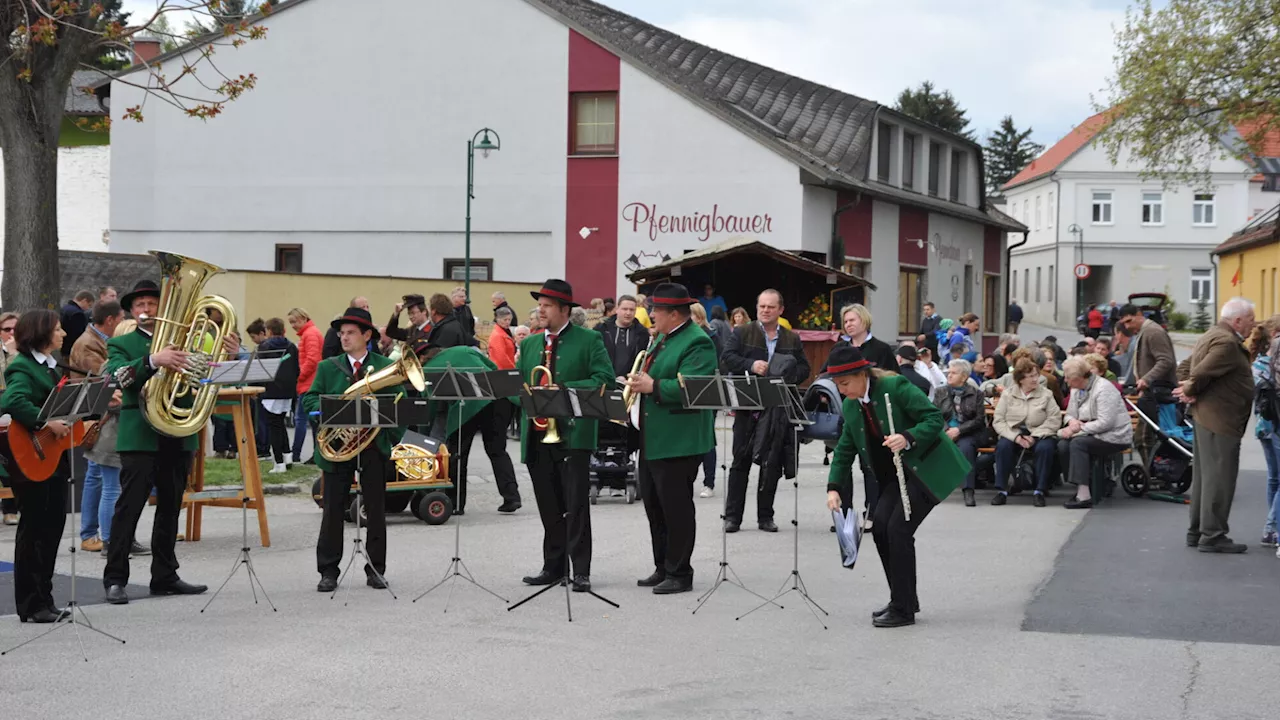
[{"x": 37, "y": 454}]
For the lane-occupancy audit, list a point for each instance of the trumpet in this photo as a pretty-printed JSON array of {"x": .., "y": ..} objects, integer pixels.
[
  {"x": 546, "y": 425},
  {"x": 630, "y": 398}
]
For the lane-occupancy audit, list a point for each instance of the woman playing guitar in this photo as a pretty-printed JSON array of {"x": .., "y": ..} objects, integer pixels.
[{"x": 29, "y": 378}]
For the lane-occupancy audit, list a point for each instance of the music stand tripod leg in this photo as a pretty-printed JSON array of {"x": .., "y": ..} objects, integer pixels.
[
  {"x": 72, "y": 607},
  {"x": 245, "y": 559},
  {"x": 358, "y": 545},
  {"x": 566, "y": 581}
]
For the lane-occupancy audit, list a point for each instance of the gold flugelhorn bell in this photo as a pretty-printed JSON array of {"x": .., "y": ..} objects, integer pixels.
[
  {"x": 629, "y": 396},
  {"x": 178, "y": 404},
  {"x": 547, "y": 425},
  {"x": 344, "y": 444}
]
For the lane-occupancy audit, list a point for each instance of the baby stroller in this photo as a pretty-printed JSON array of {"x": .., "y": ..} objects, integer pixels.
[
  {"x": 1168, "y": 466},
  {"x": 822, "y": 403},
  {"x": 612, "y": 465}
]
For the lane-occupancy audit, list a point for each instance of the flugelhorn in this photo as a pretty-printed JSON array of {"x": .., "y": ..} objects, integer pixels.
[{"x": 546, "y": 425}]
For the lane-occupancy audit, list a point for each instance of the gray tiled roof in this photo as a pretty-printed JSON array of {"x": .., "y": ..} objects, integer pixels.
[
  {"x": 83, "y": 270},
  {"x": 80, "y": 103},
  {"x": 826, "y": 132}
]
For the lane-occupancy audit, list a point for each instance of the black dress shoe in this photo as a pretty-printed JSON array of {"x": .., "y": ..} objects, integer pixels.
[
  {"x": 179, "y": 587},
  {"x": 769, "y": 526},
  {"x": 1223, "y": 545},
  {"x": 327, "y": 584},
  {"x": 673, "y": 585},
  {"x": 377, "y": 582},
  {"x": 731, "y": 526},
  {"x": 894, "y": 618},
  {"x": 138, "y": 550},
  {"x": 543, "y": 578},
  {"x": 884, "y": 610},
  {"x": 510, "y": 506},
  {"x": 999, "y": 498},
  {"x": 62, "y": 613},
  {"x": 1039, "y": 500},
  {"x": 581, "y": 583},
  {"x": 1074, "y": 504},
  {"x": 653, "y": 580},
  {"x": 969, "y": 500},
  {"x": 459, "y": 512},
  {"x": 43, "y": 615},
  {"x": 116, "y": 595},
  {"x": 1193, "y": 539}
]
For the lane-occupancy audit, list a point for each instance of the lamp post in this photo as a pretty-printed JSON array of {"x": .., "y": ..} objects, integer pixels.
[
  {"x": 485, "y": 146},
  {"x": 1079, "y": 233}
]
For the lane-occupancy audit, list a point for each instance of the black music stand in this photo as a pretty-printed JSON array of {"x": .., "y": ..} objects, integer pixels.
[
  {"x": 798, "y": 418},
  {"x": 71, "y": 402},
  {"x": 728, "y": 393},
  {"x": 459, "y": 386},
  {"x": 564, "y": 403},
  {"x": 364, "y": 412},
  {"x": 257, "y": 368}
]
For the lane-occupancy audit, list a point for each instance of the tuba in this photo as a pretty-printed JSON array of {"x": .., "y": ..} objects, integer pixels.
[
  {"x": 178, "y": 404},
  {"x": 547, "y": 425},
  {"x": 340, "y": 444}
]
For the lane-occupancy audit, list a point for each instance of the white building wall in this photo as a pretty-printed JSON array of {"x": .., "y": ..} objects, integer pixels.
[
  {"x": 883, "y": 302},
  {"x": 83, "y": 198},
  {"x": 363, "y": 162},
  {"x": 956, "y": 243},
  {"x": 676, "y": 159},
  {"x": 816, "y": 224}
]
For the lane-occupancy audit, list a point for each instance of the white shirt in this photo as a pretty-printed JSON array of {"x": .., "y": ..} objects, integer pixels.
[
  {"x": 44, "y": 360},
  {"x": 556, "y": 333},
  {"x": 353, "y": 360}
]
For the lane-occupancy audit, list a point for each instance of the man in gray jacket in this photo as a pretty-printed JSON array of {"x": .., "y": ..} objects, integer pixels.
[{"x": 1218, "y": 383}]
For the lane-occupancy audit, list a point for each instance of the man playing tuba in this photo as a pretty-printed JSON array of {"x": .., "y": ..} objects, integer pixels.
[
  {"x": 149, "y": 459},
  {"x": 558, "y": 453},
  {"x": 355, "y": 331}
]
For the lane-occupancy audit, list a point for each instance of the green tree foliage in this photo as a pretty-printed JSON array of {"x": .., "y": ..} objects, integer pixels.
[
  {"x": 936, "y": 108},
  {"x": 1187, "y": 76},
  {"x": 1007, "y": 151}
]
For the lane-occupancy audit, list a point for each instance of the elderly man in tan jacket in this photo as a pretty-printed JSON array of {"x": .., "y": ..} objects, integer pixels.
[
  {"x": 1218, "y": 383},
  {"x": 89, "y": 353}
]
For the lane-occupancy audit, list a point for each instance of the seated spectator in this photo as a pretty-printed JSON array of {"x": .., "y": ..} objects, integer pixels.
[
  {"x": 981, "y": 371},
  {"x": 1098, "y": 366},
  {"x": 1026, "y": 418},
  {"x": 997, "y": 366},
  {"x": 965, "y": 416},
  {"x": 930, "y": 370},
  {"x": 1097, "y": 425}
]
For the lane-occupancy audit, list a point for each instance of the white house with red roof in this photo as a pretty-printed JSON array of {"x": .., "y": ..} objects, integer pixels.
[{"x": 1132, "y": 234}]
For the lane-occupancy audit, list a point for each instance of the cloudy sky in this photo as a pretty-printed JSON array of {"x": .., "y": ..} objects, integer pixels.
[{"x": 1041, "y": 61}]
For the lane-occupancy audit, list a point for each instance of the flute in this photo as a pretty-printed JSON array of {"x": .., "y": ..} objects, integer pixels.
[{"x": 897, "y": 463}]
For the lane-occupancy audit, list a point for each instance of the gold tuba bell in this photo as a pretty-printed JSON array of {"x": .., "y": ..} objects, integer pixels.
[
  {"x": 178, "y": 404},
  {"x": 548, "y": 425},
  {"x": 343, "y": 444}
]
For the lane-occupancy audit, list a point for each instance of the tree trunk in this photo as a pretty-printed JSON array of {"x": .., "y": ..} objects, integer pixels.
[{"x": 31, "y": 274}]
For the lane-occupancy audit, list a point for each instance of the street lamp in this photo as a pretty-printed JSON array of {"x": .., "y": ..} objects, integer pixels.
[
  {"x": 1079, "y": 233},
  {"x": 485, "y": 146}
]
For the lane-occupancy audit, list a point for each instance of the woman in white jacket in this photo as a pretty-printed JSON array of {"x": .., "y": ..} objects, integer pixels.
[{"x": 1097, "y": 425}]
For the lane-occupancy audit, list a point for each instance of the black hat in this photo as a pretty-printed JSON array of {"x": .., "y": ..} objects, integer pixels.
[
  {"x": 144, "y": 288},
  {"x": 557, "y": 290},
  {"x": 908, "y": 353},
  {"x": 357, "y": 316},
  {"x": 671, "y": 295},
  {"x": 846, "y": 360},
  {"x": 411, "y": 299}
]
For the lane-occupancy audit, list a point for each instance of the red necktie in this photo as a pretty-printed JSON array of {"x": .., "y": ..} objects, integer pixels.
[{"x": 356, "y": 368}]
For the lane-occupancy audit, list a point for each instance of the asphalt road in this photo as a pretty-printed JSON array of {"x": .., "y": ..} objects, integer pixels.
[{"x": 998, "y": 637}]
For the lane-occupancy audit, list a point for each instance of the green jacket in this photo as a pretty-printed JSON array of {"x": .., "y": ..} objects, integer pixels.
[
  {"x": 333, "y": 377},
  {"x": 932, "y": 458},
  {"x": 671, "y": 431},
  {"x": 128, "y": 361},
  {"x": 27, "y": 387},
  {"x": 581, "y": 362},
  {"x": 462, "y": 358}
]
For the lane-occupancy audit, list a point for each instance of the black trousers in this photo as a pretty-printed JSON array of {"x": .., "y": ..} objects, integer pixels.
[
  {"x": 44, "y": 516},
  {"x": 895, "y": 536},
  {"x": 666, "y": 486},
  {"x": 166, "y": 471},
  {"x": 373, "y": 467},
  {"x": 744, "y": 424},
  {"x": 491, "y": 424},
  {"x": 277, "y": 434},
  {"x": 561, "y": 483},
  {"x": 224, "y": 435}
]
